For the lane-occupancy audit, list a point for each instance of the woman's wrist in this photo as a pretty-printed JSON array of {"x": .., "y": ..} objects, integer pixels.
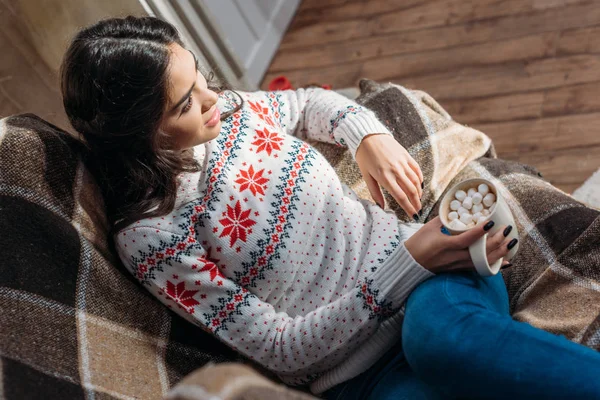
[
  {"x": 367, "y": 136},
  {"x": 414, "y": 248}
]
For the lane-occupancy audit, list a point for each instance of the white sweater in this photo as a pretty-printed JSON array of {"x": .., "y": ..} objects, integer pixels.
[{"x": 270, "y": 252}]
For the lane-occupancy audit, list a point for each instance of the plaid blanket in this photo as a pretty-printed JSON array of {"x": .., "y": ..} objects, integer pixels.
[
  {"x": 555, "y": 281},
  {"x": 66, "y": 332}
]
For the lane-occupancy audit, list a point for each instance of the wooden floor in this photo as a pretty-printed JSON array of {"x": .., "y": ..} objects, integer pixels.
[
  {"x": 27, "y": 85},
  {"x": 526, "y": 72}
]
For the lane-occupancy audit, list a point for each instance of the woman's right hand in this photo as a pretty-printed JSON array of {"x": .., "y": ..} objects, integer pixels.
[{"x": 438, "y": 252}]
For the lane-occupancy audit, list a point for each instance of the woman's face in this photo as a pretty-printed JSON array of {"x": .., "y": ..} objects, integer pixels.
[{"x": 191, "y": 116}]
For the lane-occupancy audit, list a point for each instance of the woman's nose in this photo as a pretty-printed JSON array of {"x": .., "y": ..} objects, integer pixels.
[
  {"x": 206, "y": 106},
  {"x": 209, "y": 100}
]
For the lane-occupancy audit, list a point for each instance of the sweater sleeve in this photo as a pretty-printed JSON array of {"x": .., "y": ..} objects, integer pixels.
[
  {"x": 178, "y": 271},
  {"x": 322, "y": 115}
]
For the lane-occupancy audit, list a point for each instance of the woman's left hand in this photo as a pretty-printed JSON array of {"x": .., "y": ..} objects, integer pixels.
[{"x": 383, "y": 161}]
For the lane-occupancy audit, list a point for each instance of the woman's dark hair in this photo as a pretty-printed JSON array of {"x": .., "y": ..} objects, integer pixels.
[{"x": 114, "y": 87}]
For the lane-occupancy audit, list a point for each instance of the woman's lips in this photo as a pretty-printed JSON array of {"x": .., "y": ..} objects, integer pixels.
[{"x": 214, "y": 120}]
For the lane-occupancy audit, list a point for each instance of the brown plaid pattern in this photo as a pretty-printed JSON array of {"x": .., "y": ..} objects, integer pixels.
[
  {"x": 555, "y": 281},
  {"x": 73, "y": 323}
]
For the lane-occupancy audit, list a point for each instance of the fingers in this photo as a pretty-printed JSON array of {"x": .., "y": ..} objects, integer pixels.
[
  {"x": 458, "y": 259},
  {"x": 401, "y": 198},
  {"x": 375, "y": 190},
  {"x": 506, "y": 264},
  {"x": 469, "y": 237},
  {"x": 410, "y": 189},
  {"x": 494, "y": 241},
  {"x": 414, "y": 179},
  {"x": 415, "y": 167},
  {"x": 499, "y": 252},
  {"x": 467, "y": 266},
  {"x": 499, "y": 244}
]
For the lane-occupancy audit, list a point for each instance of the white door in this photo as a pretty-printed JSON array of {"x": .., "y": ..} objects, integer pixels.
[
  {"x": 253, "y": 30},
  {"x": 238, "y": 37}
]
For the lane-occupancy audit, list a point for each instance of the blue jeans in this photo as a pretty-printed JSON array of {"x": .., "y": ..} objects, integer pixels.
[{"x": 459, "y": 341}]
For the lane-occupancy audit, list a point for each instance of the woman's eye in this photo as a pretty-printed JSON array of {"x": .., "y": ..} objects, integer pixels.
[{"x": 188, "y": 105}]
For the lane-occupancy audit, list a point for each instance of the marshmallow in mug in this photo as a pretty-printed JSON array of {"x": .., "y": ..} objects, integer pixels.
[{"x": 471, "y": 207}]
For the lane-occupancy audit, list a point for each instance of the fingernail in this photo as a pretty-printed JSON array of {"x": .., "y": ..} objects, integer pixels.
[
  {"x": 415, "y": 217},
  {"x": 512, "y": 244},
  {"x": 488, "y": 226},
  {"x": 507, "y": 266},
  {"x": 421, "y": 212},
  {"x": 422, "y": 185},
  {"x": 507, "y": 230}
]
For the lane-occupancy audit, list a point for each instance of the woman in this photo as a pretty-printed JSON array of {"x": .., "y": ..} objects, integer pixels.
[{"x": 225, "y": 216}]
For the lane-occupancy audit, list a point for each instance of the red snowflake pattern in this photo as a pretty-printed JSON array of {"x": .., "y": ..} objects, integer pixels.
[
  {"x": 184, "y": 298},
  {"x": 236, "y": 223},
  {"x": 267, "y": 141},
  {"x": 253, "y": 181},
  {"x": 212, "y": 268},
  {"x": 261, "y": 112}
]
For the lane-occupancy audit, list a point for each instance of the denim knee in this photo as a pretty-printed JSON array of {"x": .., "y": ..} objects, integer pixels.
[
  {"x": 420, "y": 336},
  {"x": 434, "y": 330}
]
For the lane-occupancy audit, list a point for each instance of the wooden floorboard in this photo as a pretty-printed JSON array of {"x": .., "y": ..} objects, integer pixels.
[
  {"x": 521, "y": 48},
  {"x": 27, "y": 85},
  {"x": 324, "y": 53},
  {"x": 526, "y": 72},
  {"x": 563, "y": 100},
  {"x": 327, "y": 26}
]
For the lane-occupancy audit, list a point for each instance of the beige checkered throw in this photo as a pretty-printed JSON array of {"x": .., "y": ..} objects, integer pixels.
[
  {"x": 555, "y": 281},
  {"x": 74, "y": 324}
]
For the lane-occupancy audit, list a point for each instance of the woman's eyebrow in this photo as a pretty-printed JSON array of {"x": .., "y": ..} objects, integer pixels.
[{"x": 180, "y": 102}]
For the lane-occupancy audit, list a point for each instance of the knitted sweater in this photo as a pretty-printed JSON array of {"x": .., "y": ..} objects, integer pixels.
[{"x": 270, "y": 252}]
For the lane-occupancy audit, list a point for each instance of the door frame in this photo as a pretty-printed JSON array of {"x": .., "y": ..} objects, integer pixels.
[{"x": 213, "y": 53}]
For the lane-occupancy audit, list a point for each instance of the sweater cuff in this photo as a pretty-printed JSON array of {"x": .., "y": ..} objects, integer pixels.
[
  {"x": 399, "y": 275},
  {"x": 356, "y": 127}
]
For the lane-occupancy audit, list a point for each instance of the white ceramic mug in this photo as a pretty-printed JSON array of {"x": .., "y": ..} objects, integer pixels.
[{"x": 501, "y": 215}]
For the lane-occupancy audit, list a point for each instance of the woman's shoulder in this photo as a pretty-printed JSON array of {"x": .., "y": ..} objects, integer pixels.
[
  {"x": 147, "y": 230},
  {"x": 142, "y": 238},
  {"x": 229, "y": 99}
]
